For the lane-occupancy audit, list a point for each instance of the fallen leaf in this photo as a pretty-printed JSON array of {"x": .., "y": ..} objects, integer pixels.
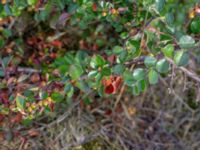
[
  {"x": 33, "y": 133},
  {"x": 35, "y": 77},
  {"x": 17, "y": 118}
]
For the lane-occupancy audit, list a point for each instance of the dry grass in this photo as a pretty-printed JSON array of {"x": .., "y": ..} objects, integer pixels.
[{"x": 166, "y": 117}]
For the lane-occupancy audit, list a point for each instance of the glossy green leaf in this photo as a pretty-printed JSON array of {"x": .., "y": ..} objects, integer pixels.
[
  {"x": 150, "y": 61},
  {"x": 181, "y": 58},
  {"x": 139, "y": 74},
  {"x": 98, "y": 78},
  {"x": 117, "y": 50},
  {"x": 153, "y": 76},
  {"x": 97, "y": 61},
  {"x": 162, "y": 66},
  {"x": 159, "y": 5},
  {"x": 186, "y": 41},
  {"x": 135, "y": 90},
  {"x": 92, "y": 73},
  {"x": 142, "y": 85},
  {"x": 169, "y": 18},
  {"x": 128, "y": 77},
  {"x": 123, "y": 56},
  {"x": 75, "y": 71},
  {"x": 118, "y": 69},
  {"x": 133, "y": 46},
  {"x": 195, "y": 26},
  {"x": 168, "y": 50},
  {"x": 139, "y": 86}
]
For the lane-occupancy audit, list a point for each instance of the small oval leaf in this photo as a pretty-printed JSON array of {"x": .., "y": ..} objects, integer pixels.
[{"x": 162, "y": 66}]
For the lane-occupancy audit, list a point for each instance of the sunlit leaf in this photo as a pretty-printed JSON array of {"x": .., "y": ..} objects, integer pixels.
[
  {"x": 20, "y": 102},
  {"x": 181, "y": 58},
  {"x": 153, "y": 76}
]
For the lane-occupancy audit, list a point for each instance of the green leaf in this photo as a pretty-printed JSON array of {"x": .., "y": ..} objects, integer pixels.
[
  {"x": 195, "y": 26},
  {"x": 162, "y": 66},
  {"x": 69, "y": 58},
  {"x": 123, "y": 56},
  {"x": 2, "y": 42},
  {"x": 43, "y": 94},
  {"x": 168, "y": 50},
  {"x": 54, "y": 20},
  {"x": 6, "y": 61},
  {"x": 82, "y": 57},
  {"x": 153, "y": 76},
  {"x": 2, "y": 73},
  {"x": 118, "y": 69},
  {"x": 1, "y": 7},
  {"x": 135, "y": 90},
  {"x": 16, "y": 3},
  {"x": 83, "y": 86},
  {"x": 106, "y": 71},
  {"x": 186, "y": 41},
  {"x": 7, "y": 33},
  {"x": 57, "y": 97},
  {"x": 133, "y": 46},
  {"x": 124, "y": 35},
  {"x": 139, "y": 74},
  {"x": 139, "y": 86},
  {"x": 142, "y": 85},
  {"x": 150, "y": 61},
  {"x": 169, "y": 18},
  {"x": 8, "y": 10},
  {"x": 20, "y": 102},
  {"x": 31, "y": 2},
  {"x": 97, "y": 61},
  {"x": 92, "y": 73},
  {"x": 63, "y": 69},
  {"x": 69, "y": 89},
  {"x": 160, "y": 5},
  {"x": 75, "y": 71},
  {"x": 26, "y": 121},
  {"x": 181, "y": 58},
  {"x": 98, "y": 79},
  {"x": 87, "y": 101},
  {"x": 117, "y": 50},
  {"x": 128, "y": 77}
]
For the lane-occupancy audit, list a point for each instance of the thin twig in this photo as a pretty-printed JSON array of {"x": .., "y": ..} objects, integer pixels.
[
  {"x": 186, "y": 71},
  {"x": 28, "y": 70},
  {"x": 11, "y": 70},
  {"x": 122, "y": 90}
]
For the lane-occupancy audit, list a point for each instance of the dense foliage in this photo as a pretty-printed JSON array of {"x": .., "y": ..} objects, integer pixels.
[{"x": 55, "y": 50}]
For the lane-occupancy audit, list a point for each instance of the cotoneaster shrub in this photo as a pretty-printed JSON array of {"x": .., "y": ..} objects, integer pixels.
[{"x": 59, "y": 49}]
